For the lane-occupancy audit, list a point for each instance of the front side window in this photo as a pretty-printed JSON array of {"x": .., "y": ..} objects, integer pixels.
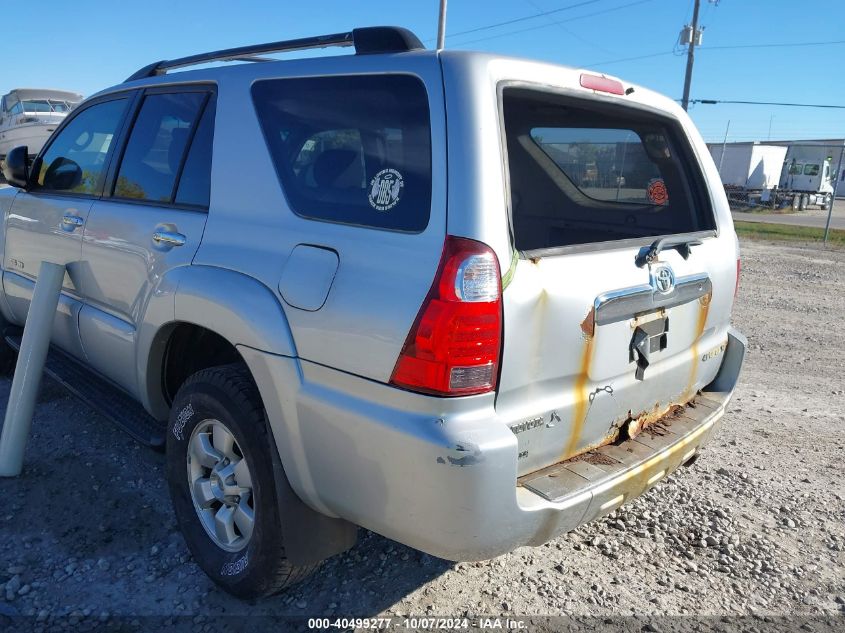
[
  {"x": 76, "y": 159},
  {"x": 157, "y": 145},
  {"x": 811, "y": 169},
  {"x": 795, "y": 169},
  {"x": 353, "y": 150},
  {"x": 583, "y": 173}
]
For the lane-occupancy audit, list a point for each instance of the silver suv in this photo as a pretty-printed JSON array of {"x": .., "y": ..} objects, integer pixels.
[{"x": 465, "y": 301}]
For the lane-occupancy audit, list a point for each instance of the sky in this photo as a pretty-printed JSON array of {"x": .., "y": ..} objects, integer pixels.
[{"x": 87, "y": 45}]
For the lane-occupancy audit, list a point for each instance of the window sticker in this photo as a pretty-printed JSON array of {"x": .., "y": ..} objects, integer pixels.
[
  {"x": 657, "y": 192},
  {"x": 386, "y": 189}
]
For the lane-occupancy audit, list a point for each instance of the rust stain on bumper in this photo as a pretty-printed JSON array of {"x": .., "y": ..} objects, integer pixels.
[{"x": 653, "y": 423}]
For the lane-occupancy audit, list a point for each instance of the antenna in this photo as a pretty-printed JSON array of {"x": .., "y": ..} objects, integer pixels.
[{"x": 441, "y": 26}]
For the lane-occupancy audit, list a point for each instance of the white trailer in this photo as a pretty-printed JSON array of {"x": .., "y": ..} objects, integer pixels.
[{"x": 749, "y": 166}]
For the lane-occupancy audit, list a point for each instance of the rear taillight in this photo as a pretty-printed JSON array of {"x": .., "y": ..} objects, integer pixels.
[
  {"x": 453, "y": 346},
  {"x": 738, "y": 270}
]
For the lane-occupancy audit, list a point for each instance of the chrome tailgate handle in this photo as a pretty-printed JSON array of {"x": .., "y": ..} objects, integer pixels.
[
  {"x": 626, "y": 303},
  {"x": 169, "y": 238}
]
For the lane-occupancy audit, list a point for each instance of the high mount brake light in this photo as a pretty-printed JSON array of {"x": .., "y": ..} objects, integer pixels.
[
  {"x": 453, "y": 347},
  {"x": 602, "y": 84}
]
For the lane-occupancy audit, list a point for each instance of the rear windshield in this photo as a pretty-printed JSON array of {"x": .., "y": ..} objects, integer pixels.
[
  {"x": 583, "y": 174},
  {"x": 354, "y": 150}
]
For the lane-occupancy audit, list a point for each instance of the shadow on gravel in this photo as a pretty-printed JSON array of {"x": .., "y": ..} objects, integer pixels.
[{"x": 89, "y": 527}]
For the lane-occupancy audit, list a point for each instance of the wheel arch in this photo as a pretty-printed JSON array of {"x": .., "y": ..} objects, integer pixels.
[
  {"x": 230, "y": 305},
  {"x": 237, "y": 314}
]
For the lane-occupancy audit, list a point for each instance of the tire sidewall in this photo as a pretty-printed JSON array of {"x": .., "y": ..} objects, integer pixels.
[{"x": 242, "y": 572}]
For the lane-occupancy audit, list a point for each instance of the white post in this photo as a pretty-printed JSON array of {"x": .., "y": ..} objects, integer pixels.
[{"x": 29, "y": 368}]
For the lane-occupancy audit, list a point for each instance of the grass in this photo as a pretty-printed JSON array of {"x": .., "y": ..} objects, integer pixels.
[
  {"x": 761, "y": 209},
  {"x": 787, "y": 232}
]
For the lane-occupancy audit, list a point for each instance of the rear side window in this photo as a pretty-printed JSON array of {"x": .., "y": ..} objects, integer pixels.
[
  {"x": 195, "y": 182},
  {"x": 582, "y": 174},
  {"x": 156, "y": 146},
  {"x": 354, "y": 150}
]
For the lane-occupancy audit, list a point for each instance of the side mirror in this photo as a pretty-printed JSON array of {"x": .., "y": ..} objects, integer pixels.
[{"x": 16, "y": 167}]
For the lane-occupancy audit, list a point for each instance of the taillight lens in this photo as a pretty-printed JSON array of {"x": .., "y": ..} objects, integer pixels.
[
  {"x": 738, "y": 270},
  {"x": 453, "y": 346}
]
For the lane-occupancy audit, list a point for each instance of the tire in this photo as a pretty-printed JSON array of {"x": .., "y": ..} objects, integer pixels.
[
  {"x": 248, "y": 563},
  {"x": 796, "y": 202},
  {"x": 828, "y": 200},
  {"x": 802, "y": 204}
]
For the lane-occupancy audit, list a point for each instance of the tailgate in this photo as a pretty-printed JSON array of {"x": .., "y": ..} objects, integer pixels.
[{"x": 600, "y": 339}]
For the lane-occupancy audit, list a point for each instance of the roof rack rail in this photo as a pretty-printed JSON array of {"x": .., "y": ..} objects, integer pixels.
[{"x": 372, "y": 39}]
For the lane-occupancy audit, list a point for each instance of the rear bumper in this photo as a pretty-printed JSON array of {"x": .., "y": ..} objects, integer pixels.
[{"x": 441, "y": 475}]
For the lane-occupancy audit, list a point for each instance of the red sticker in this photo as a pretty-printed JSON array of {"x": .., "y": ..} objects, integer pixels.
[{"x": 656, "y": 191}]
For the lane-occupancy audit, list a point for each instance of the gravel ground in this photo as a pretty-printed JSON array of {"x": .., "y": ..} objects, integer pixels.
[{"x": 755, "y": 527}]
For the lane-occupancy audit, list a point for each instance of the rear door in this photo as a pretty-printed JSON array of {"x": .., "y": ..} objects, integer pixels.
[
  {"x": 46, "y": 222},
  {"x": 601, "y": 336},
  {"x": 149, "y": 221}
]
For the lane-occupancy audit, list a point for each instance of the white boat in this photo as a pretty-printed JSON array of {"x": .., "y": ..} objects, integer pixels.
[{"x": 29, "y": 115}]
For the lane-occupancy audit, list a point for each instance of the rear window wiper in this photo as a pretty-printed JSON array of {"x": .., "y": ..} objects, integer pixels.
[{"x": 681, "y": 244}]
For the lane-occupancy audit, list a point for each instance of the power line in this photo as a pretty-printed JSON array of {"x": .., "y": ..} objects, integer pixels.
[
  {"x": 524, "y": 18},
  {"x": 768, "y": 103},
  {"x": 629, "y": 59},
  {"x": 572, "y": 33},
  {"x": 719, "y": 48},
  {"x": 545, "y": 26},
  {"x": 777, "y": 45}
]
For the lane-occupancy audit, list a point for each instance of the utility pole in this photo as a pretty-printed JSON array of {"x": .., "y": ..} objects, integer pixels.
[{"x": 694, "y": 38}]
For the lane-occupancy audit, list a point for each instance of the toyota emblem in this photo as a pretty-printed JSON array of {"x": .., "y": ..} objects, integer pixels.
[{"x": 663, "y": 280}]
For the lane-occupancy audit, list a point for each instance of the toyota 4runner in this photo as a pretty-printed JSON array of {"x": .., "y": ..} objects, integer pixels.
[{"x": 465, "y": 301}]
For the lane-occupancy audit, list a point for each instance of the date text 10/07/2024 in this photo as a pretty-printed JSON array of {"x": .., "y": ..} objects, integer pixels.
[{"x": 419, "y": 624}]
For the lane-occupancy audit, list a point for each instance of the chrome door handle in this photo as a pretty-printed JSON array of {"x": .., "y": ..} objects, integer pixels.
[
  {"x": 169, "y": 238},
  {"x": 72, "y": 221}
]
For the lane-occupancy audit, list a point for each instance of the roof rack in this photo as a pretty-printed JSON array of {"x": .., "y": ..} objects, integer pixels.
[{"x": 372, "y": 39}]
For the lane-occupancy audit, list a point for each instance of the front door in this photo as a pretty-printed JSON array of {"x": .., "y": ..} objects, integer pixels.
[
  {"x": 150, "y": 220},
  {"x": 47, "y": 221}
]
